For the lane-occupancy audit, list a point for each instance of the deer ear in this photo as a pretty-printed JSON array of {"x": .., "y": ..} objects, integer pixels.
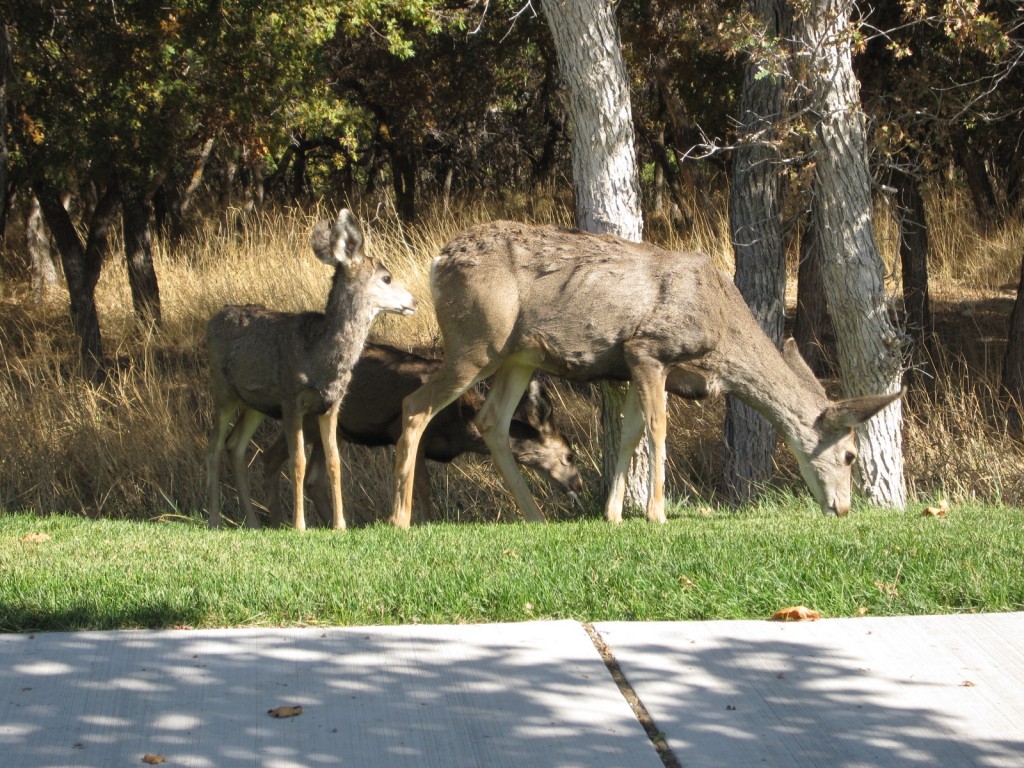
[
  {"x": 347, "y": 238},
  {"x": 536, "y": 405},
  {"x": 321, "y": 242},
  {"x": 854, "y": 411},
  {"x": 340, "y": 243},
  {"x": 791, "y": 354}
]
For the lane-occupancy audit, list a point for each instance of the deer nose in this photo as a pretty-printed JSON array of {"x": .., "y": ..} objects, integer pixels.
[{"x": 839, "y": 510}]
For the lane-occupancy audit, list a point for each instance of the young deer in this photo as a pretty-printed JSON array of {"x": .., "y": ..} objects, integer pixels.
[
  {"x": 289, "y": 365},
  {"x": 512, "y": 298},
  {"x": 371, "y": 415}
]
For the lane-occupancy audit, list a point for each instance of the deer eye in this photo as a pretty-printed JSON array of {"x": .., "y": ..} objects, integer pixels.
[
  {"x": 386, "y": 279},
  {"x": 850, "y": 458},
  {"x": 570, "y": 458}
]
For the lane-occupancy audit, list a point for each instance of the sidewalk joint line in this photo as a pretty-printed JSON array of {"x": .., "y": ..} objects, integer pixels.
[{"x": 640, "y": 711}]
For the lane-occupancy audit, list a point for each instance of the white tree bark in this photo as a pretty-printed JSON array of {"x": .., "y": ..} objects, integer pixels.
[
  {"x": 605, "y": 178},
  {"x": 869, "y": 345},
  {"x": 37, "y": 243}
]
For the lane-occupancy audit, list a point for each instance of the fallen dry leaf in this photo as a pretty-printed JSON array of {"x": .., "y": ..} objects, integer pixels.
[
  {"x": 939, "y": 511},
  {"x": 285, "y": 711},
  {"x": 887, "y": 589},
  {"x": 35, "y": 538},
  {"x": 149, "y": 759},
  {"x": 967, "y": 684},
  {"x": 796, "y": 613}
]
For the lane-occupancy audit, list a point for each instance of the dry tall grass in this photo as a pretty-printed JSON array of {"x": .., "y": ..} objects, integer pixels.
[{"x": 135, "y": 446}]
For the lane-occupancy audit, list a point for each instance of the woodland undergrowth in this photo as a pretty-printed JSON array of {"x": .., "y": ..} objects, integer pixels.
[{"x": 134, "y": 446}]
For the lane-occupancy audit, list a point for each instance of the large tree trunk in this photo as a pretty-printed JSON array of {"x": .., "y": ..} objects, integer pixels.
[
  {"x": 137, "y": 211},
  {"x": 605, "y": 178},
  {"x": 759, "y": 247},
  {"x": 869, "y": 346},
  {"x": 81, "y": 268}
]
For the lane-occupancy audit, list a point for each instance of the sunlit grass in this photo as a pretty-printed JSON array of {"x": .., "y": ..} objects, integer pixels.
[{"x": 703, "y": 564}]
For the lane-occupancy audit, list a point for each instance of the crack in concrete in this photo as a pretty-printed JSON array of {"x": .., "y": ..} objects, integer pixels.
[{"x": 656, "y": 736}]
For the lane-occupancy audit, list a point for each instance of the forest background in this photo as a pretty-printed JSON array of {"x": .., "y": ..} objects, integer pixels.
[{"x": 164, "y": 160}]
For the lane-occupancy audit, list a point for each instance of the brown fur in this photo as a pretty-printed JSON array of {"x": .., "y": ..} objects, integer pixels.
[
  {"x": 513, "y": 298},
  {"x": 289, "y": 365},
  {"x": 371, "y": 415}
]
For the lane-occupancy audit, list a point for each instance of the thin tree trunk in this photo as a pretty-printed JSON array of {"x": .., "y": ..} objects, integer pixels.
[
  {"x": 812, "y": 321},
  {"x": 914, "y": 247},
  {"x": 1013, "y": 363},
  {"x": 605, "y": 178},
  {"x": 759, "y": 248},
  {"x": 137, "y": 212},
  {"x": 6, "y": 75},
  {"x": 403, "y": 175},
  {"x": 983, "y": 194},
  {"x": 868, "y": 345},
  {"x": 44, "y": 270},
  {"x": 81, "y": 268}
]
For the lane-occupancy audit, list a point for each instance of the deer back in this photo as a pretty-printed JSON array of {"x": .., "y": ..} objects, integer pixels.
[{"x": 573, "y": 299}]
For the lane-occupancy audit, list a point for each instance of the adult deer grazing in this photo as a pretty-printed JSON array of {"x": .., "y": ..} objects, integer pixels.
[
  {"x": 512, "y": 298},
  {"x": 371, "y": 415},
  {"x": 287, "y": 365}
]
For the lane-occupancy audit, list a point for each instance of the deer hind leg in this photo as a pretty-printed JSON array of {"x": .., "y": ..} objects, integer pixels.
[
  {"x": 318, "y": 488},
  {"x": 274, "y": 458},
  {"x": 649, "y": 383},
  {"x": 297, "y": 457},
  {"x": 218, "y": 434},
  {"x": 451, "y": 380},
  {"x": 237, "y": 445},
  {"x": 421, "y": 486},
  {"x": 629, "y": 438},
  {"x": 493, "y": 422},
  {"x": 332, "y": 460}
]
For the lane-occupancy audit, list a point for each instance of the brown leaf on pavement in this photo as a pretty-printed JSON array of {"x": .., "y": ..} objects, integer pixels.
[
  {"x": 796, "y": 613},
  {"x": 149, "y": 759},
  {"x": 285, "y": 711}
]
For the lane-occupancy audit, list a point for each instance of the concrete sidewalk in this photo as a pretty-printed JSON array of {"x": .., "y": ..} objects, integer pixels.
[{"x": 844, "y": 692}]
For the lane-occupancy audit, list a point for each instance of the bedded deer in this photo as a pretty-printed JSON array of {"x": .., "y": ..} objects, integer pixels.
[
  {"x": 292, "y": 364},
  {"x": 371, "y": 415},
  {"x": 513, "y": 298}
]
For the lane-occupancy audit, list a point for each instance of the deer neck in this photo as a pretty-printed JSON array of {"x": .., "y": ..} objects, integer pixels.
[
  {"x": 761, "y": 378},
  {"x": 345, "y": 322}
]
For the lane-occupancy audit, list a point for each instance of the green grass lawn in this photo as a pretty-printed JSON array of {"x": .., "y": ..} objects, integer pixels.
[{"x": 721, "y": 565}]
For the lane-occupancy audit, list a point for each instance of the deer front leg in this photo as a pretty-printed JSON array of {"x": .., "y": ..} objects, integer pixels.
[
  {"x": 297, "y": 454},
  {"x": 238, "y": 444},
  {"x": 219, "y": 432},
  {"x": 493, "y": 422},
  {"x": 632, "y": 431},
  {"x": 332, "y": 459}
]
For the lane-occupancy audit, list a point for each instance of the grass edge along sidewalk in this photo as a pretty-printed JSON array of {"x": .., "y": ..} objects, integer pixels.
[{"x": 84, "y": 574}]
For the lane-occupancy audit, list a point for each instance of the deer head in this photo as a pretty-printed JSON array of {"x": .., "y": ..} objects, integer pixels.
[{"x": 827, "y": 448}]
